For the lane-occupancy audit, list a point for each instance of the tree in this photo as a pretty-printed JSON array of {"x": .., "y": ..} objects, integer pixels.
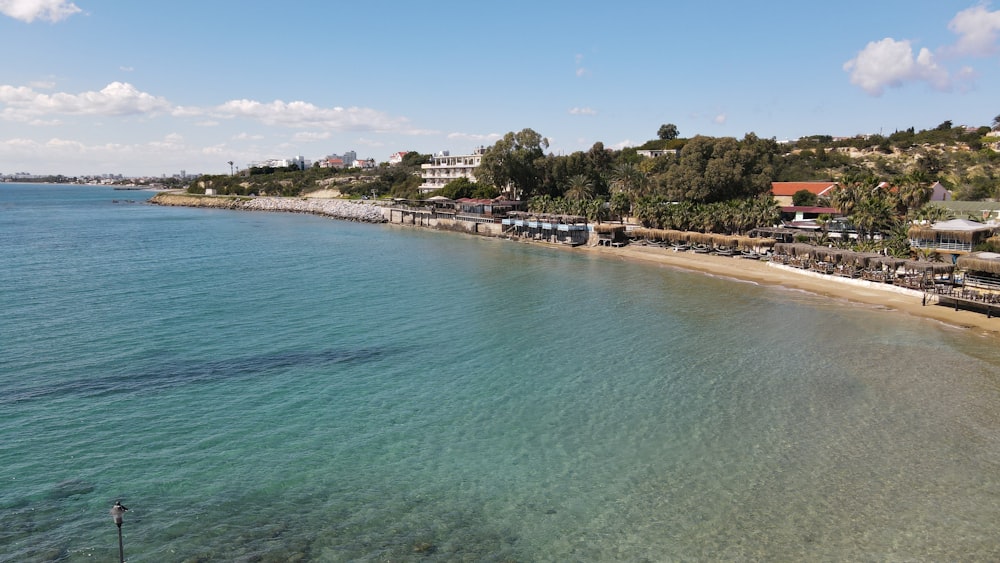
[
  {"x": 914, "y": 191},
  {"x": 413, "y": 158},
  {"x": 628, "y": 179},
  {"x": 849, "y": 191},
  {"x": 803, "y": 198},
  {"x": 510, "y": 164},
  {"x": 667, "y": 132},
  {"x": 996, "y": 123},
  {"x": 579, "y": 188},
  {"x": 457, "y": 189},
  {"x": 720, "y": 169}
]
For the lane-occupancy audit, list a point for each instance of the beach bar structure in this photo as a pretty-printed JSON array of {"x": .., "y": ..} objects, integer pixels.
[
  {"x": 558, "y": 229},
  {"x": 957, "y": 236},
  {"x": 980, "y": 289},
  {"x": 610, "y": 235}
]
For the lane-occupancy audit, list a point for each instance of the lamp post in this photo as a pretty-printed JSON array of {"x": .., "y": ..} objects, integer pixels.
[{"x": 117, "y": 512}]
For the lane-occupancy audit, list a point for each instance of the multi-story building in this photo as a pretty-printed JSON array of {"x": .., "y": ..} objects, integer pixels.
[
  {"x": 299, "y": 162},
  {"x": 444, "y": 168}
]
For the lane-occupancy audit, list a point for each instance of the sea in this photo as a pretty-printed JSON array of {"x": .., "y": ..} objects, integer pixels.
[{"x": 259, "y": 386}]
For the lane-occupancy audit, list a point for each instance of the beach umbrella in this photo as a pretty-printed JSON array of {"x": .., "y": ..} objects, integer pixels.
[{"x": 988, "y": 262}]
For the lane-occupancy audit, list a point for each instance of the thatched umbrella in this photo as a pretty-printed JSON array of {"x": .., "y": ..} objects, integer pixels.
[
  {"x": 783, "y": 248},
  {"x": 607, "y": 228},
  {"x": 676, "y": 236},
  {"x": 700, "y": 238},
  {"x": 926, "y": 266},
  {"x": 988, "y": 262},
  {"x": 802, "y": 249},
  {"x": 888, "y": 262}
]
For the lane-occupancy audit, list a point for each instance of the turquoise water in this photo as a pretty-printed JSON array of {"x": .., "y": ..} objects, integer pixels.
[{"x": 272, "y": 387}]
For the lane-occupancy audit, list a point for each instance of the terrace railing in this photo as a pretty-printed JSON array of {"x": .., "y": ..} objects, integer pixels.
[{"x": 959, "y": 246}]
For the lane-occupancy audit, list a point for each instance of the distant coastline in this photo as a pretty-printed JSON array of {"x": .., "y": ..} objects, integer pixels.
[
  {"x": 335, "y": 208},
  {"x": 888, "y": 298}
]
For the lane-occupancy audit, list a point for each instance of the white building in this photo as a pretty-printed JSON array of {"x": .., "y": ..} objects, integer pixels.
[
  {"x": 653, "y": 153},
  {"x": 299, "y": 162},
  {"x": 444, "y": 168}
]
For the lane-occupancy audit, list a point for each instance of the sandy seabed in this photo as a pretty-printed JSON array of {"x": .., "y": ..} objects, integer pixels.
[{"x": 891, "y": 298}]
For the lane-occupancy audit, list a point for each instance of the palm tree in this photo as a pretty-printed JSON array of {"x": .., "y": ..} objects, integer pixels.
[
  {"x": 850, "y": 190},
  {"x": 914, "y": 192},
  {"x": 933, "y": 213},
  {"x": 627, "y": 179},
  {"x": 579, "y": 188},
  {"x": 873, "y": 213}
]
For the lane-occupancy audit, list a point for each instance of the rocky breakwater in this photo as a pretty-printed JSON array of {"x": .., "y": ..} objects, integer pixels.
[{"x": 337, "y": 208}]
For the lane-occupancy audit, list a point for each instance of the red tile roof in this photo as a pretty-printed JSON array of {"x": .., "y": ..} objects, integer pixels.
[
  {"x": 810, "y": 209},
  {"x": 789, "y": 188}
]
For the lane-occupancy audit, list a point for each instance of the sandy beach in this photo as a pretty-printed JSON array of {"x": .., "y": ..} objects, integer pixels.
[{"x": 892, "y": 299}]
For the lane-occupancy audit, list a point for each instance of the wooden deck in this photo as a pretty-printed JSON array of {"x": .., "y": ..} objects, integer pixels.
[{"x": 965, "y": 302}]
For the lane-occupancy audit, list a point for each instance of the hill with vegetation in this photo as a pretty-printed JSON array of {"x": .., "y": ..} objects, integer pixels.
[
  {"x": 709, "y": 184},
  {"x": 965, "y": 160}
]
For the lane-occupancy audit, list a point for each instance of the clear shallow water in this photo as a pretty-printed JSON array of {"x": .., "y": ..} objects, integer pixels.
[{"x": 282, "y": 387}]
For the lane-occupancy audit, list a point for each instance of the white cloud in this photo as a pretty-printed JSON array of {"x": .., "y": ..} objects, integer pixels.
[
  {"x": 473, "y": 137},
  {"x": 977, "y": 29},
  {"x": 306, "y": 115},
  {"x": 30, "y": 10},
  {"x": 26, "y": 104},
  {"x": 581, "y": 71},
  {"x": 623, "y": 144},
  {"x": 169, "y": 153},
  {"x": 890, "y": 63},
  {"x": 582, "y": 111},
  {"x": 126, "y": 68},
  {"x": 719, "y": 119},
  {"x": 247, "y": 137},
  {"x": 117, "y": 98},
  {"x": 308, "y": 136}
]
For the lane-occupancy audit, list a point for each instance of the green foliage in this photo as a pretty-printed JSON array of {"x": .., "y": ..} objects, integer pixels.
[
  {"x": 729, "y": 217},
  {"x": 991, "y": 244},
  {"x": 803, "y": 198},
  {"x": 719, "y": 169},
  {"x": 510, "y": 163},
  {"x": 667, "y": 132},
  {"x": 415, "y": 159},
  {"x": 457, "y": 189},
  {"x": 661, "y": 144}
]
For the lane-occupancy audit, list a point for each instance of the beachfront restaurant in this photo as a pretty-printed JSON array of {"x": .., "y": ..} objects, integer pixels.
[
  {"x": 980, "y": 288},
  {"x": 955, "y": 237},
  {"x": 544, "y": 227}
]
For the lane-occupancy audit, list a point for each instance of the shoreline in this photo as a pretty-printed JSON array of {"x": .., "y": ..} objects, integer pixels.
[{"x": 889, "y": 298}]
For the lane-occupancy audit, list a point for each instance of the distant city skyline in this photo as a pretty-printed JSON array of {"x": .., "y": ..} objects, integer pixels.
[{"x": 146, "y": 89}]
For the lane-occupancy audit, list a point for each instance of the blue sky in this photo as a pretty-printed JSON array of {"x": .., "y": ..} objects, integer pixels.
[{"x": 151, "y": 88}]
